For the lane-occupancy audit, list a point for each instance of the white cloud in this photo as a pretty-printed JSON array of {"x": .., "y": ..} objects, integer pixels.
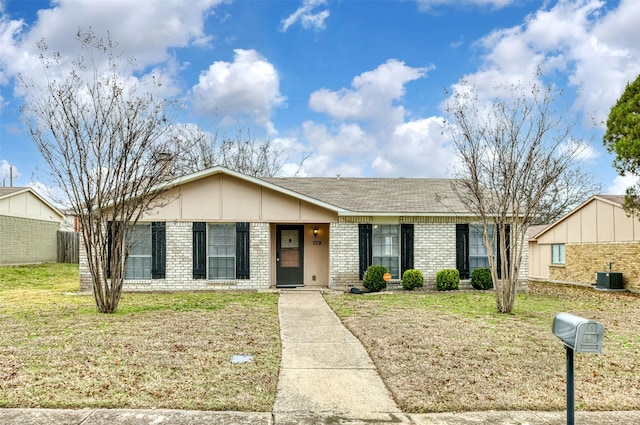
[
  {"x": 248, "y": 86},
  {"x": 427, "y": 5},
  {"x": 55, "y": 195},
  {"x": 621, "y": 183},
  {"x": 307, "y": 15},
  {"x": 418, "y": 148},
  {"x": 584, "y": 151},
  {"x": 145, "y": 30},
  {"x": 594, "y": 46},
  {"x": 372, "y": 96},
  {"x": 370, "y": 133},
  {"x": 6, "y": 170}
]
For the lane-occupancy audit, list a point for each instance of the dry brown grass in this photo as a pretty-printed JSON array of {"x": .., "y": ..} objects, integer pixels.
[
  {"x": 452, "y": 352},
  {"x": 158, "y": 350}
]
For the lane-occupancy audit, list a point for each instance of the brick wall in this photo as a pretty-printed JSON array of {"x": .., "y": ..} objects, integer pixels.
[
  {"x": 583, "y": 261},
  {"x": 434, "y": 249},
  {"x": 179, "y": 264},
  {"x": 27, "y": 241},
  {"x": 344, "y": 267}
]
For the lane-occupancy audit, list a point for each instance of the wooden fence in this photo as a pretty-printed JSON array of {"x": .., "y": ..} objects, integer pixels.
[{"x": 68, "y": 247}]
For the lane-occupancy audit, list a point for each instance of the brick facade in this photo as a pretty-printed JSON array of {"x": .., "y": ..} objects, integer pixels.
[
  {"x": 434, "y": 249},
  {"x": 27, "y": 241},
  {"x": 179, "y": 264},
  {"x": 583, "y": 261}
]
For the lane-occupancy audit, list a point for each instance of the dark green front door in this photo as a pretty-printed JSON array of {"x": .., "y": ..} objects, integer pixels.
[{"x": 289, "y": 256}]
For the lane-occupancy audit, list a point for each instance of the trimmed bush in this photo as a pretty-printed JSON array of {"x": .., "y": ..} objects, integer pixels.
[
  {"x": 412, "y": 279},
  {"x": 373, "y": 278},
  {"x": 448, "y": 280},
  {"x": 481, "y": 278}
]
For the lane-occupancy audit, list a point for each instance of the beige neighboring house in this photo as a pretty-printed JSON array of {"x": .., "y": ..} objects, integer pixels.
[
  {"x": 28, "y": 227},
  {"x": 596, "y": 237},
  {"x": 220, "y": 229}
]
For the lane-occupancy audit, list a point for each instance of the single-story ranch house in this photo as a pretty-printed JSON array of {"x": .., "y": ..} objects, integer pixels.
[
  {"x": 597, "y": 236},
  {"x": 220, "y": 229},
  {"x": 28, "y": 227}
]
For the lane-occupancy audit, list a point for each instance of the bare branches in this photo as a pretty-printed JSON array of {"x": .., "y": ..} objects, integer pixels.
[
  {"x": 102, "y": 138},
  {"x": 516, "y": 165},
  {"x": 241, "y": 153}
]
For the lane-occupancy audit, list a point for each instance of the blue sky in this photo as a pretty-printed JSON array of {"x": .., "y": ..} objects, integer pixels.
[{"x": 356, "y": 84}]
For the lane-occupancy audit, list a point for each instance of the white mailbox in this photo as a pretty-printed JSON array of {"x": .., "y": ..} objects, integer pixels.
[{"x": 580, "y": 334}]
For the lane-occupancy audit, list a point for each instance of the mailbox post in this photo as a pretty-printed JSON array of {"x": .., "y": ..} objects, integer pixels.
[{"x": 578, "y": 335}]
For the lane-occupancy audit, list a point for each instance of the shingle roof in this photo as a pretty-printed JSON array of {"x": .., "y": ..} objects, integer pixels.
[
  {"x": 378, "y": 195},
  {"x": 4, "y": 191},
  {"x": 533, "y": 231},
  {"x": 618, "y": 199}
]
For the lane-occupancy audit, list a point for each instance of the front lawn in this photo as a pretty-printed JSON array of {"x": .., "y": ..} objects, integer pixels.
[
  {"x": 452, "y": 352},
  {"x": 159, "y": 350}
]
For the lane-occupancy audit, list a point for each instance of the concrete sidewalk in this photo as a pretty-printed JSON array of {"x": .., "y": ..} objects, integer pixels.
[
  {"x": 326, "y": 377},
  {"x": 326, "y": 374},
  {"x": 193, "y": 417}
]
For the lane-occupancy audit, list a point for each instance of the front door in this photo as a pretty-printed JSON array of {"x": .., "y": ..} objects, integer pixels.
[{"x": 289, "y": 256}]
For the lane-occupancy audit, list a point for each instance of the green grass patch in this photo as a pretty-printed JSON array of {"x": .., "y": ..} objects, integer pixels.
[{"x": 160, "y": 350}]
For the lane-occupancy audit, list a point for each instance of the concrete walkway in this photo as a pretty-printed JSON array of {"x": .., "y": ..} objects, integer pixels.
[{"x": 326, "y": 377}]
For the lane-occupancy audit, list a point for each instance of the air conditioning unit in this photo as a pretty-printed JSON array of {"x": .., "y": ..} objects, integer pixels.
[{"x": 609, "y": 281}]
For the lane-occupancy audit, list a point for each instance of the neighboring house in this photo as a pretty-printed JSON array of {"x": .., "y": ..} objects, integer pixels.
[
  {"x": 220, "y": 229},
  {"x": 585, "y": 241},
  {"x": 28, "y": 227}
]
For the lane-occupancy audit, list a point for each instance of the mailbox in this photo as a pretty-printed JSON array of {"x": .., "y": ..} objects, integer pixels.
[{"x": 580, "y": 334}]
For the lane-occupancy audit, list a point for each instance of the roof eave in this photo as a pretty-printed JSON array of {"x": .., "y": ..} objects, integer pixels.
[
  {"x": 255, "y": 180},
  {"x": 34, "y": 193}
]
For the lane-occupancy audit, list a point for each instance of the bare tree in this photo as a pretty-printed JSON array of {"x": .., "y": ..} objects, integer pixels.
[
  {"x": 241, "y": 152},
  {"x": 571, "y": 188},
  {"x": 103, "y": 139},
  {"x": 512, "y": 153}
]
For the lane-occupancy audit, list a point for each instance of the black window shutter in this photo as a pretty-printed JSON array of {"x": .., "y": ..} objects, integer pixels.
[
  {"x": 158, "y": 249},
  {"x": 500, "y": 259},
  {"x": 199, "y": 250},
  {"x": 365, "y": 247},
  {"x": 462, "y": 250},
  {"x": 406, "y": 261},
  {"x": 242, "y": 250}
]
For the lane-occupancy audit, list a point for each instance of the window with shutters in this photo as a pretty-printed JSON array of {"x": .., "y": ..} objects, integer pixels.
[
  {"x": 220, "y": 251},
  {"x": 146, "y": 248},
  {"x": 386, "y": 245},
  {"x": 478, "y": 256},
  {"x": 471, "y": 252}
]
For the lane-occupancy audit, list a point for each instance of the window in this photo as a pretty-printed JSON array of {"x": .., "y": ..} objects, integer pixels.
[
  {"x": 147, "y": 252},
  {"x": 471, "y": 252},
  {"x": 386, "y": 248},
  {"x": 478, "y": 257},
  {"x": 557, "y": 253},
  {"x": 386, "y": 245},
  {"x": 139, "y": 262},
  {"x": 221, "y": 249}
]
